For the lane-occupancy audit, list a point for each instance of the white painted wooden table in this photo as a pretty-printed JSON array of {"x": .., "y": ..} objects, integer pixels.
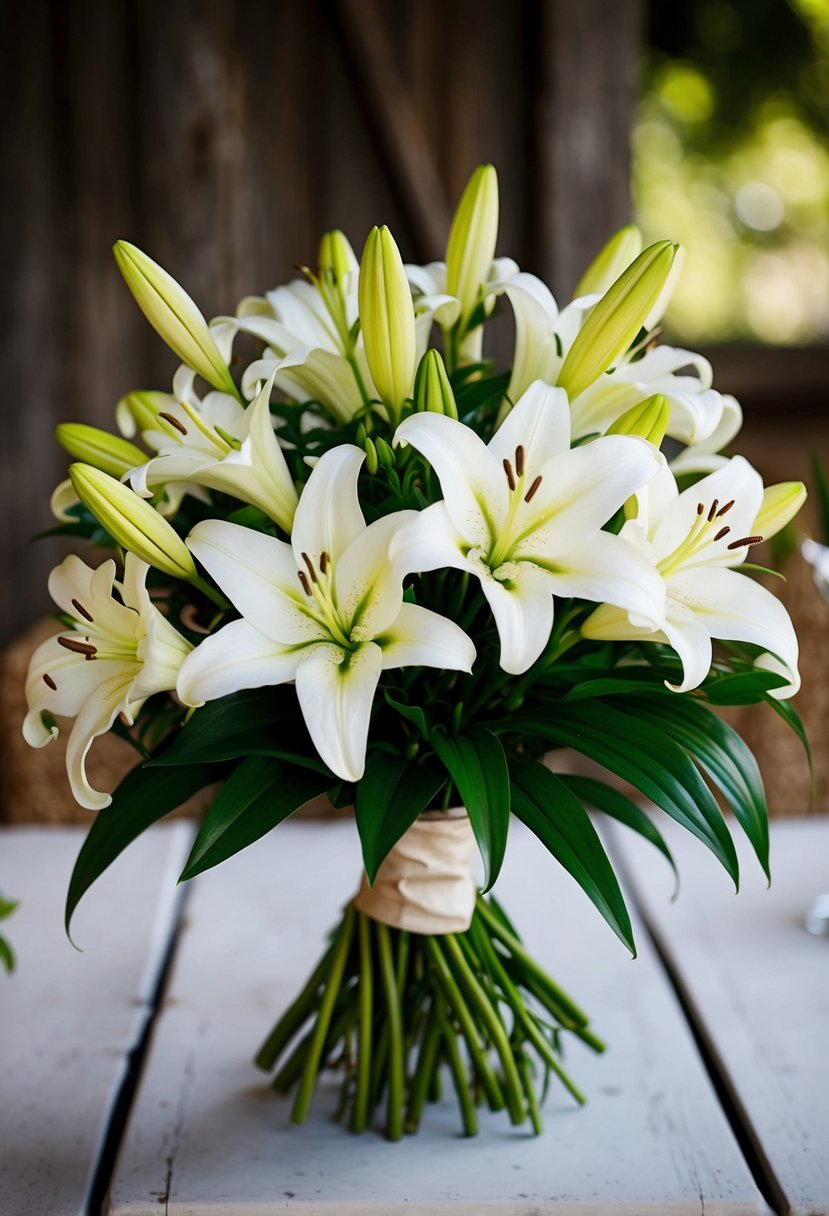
[{"x": 207, "y": 1137}]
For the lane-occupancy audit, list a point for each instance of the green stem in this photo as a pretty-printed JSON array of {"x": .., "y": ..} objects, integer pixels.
[
  {"x": 212, "y": 593},
  {"x": 456, "y": 1068},
  {"x": 529, "y": 1092},
  {"x": 459, "y": 1008},
  {"x": 424, "y": 1069},
  {"x": 309, "y": 1073},
  {"x": 294, "y": 1016},
  {"x": 528, "y": 962},
  {"x": 494, "y": 1027},
  {"x": 394, "y": 1116},
  {"x": 359, "y": 1115}
]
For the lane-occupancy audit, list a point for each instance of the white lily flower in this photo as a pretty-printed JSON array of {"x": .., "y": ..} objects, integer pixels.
[
  {"x": 115, "y": 654},
  {"x": 223, "y": 446},
  {"x": 325, "y": 611},
  {"x": 434, "y": 304},
  {"x": 524, "y": 515},
  {"x": 703, "y": 455},
  {"x": 694, "y": 539}
]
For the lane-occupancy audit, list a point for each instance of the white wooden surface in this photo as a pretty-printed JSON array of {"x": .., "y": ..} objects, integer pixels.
[
  {"x": 760, "y": 985},
  {"x": 209, "y": 1138},
  {"x": 68, "y": 1019}
]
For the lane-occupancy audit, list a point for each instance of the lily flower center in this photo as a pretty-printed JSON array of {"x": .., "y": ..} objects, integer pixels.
[
  {"x": 514, "y": 471},
  {"x": 317, "y": 583},
  {"x": 707, "y": 529},
  {"x": 220, "y": 439}
]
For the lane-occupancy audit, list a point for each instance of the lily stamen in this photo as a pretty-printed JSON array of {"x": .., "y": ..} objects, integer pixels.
[
  {"x": 722, "y": 532},
  {"x": 49, "y": 682},
  {"x": 722, "y": 511},
  {"x": 531, "y": 492},
  {"x": 85, "y": 648},
  {"x": 173, "y": 421},
  {"x": 324, "y": 560},
  {"x": 713, "y": 510},
  {"x": 745, "y": 540},
  {"x": 312, "y": 572},
  {"x": 509, "y": 473},
  {"x": 519, "y": 460},
  {"x": 306, "y": 586},
  {"x": 79, "y": 608}
]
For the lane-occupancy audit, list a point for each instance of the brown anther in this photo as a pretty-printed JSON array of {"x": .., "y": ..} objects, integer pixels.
[
  {"x": 700, "y": 508},
  {"x": 713, "y": 510},
  {"x": 745, "y": 540},
  {"x": 324, "y": 560},
  {"x": 303, "y": 578},
  {"x": 312, "y": 572},
  {"x": 79, "y": 608},
  {"x": 532, "y": 489},
  {"x": 722, "y": 532},
  {"x": 723, "y": 510},
  {"x": 509, "y": 473},
  {"x": 173, "y": 421},
  {"x": 84, "y": 648},
  {"x": 47, "y": 679},
  {"x": 519, "y": 460}
]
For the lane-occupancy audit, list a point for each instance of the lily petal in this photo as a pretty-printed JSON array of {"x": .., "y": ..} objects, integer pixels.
[
  {"x": 336, "y": 692},
  {"x": 95, "y": 717},
  {"x": 236, "y": 657},
  {"x": 430, "y": 542},
  {"x": 328, "y": 517},
  {"x": 419, "y": 637},
  {"x": 258, "y": 573},
  {"x": 692, "y": 642},
  {"x": 539, "y": 422},
  {"x": 610, "y": 570},
  {"x": 368, "y": 585},
  {"x": 523, "y": 608}
]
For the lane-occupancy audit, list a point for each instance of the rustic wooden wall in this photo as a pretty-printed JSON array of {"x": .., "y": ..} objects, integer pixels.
[{"x": 224, "y": 135}]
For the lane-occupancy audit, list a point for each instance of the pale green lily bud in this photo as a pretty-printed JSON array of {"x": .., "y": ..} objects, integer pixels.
[
  {"x": 138, "y": 411},
  {"x": 104, "y": 451},
  {"x": 648, "y": 419},
  {"x": 432, "y": 390},
  {"x": 387, "y": 319},
  {"x": 337, "y": 266},
  {"x": 617, "y": 318},
  {"x": 173, "y": 315},
  {"x": 472, "y": 237},
  {"x": 132, "y": 521},
  {"x": 779, "y": 506},
  {"x": 610, "y": 261}
]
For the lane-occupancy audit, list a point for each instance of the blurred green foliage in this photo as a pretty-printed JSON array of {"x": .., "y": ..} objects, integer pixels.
[{"x": 731, "y": 157}]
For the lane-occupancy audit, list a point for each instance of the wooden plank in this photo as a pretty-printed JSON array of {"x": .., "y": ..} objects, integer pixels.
[
  {"x": 69, "y": 1019},
  {"x": 759, "y": 986},
  {"x": 208, "y": 1137}
]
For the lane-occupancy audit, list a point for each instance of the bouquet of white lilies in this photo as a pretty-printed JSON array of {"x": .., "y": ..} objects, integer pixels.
[{"x": 360, "y": 567}]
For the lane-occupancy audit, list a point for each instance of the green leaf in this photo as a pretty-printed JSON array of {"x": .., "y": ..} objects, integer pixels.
[
  {"x": 645, "y": 757},
  {"x": 144, "y": 796},
  {"x": 621, "y": 808},
  {"x": 412, "y": 712},
  {"x": 6, "y": 955},
  {"x": 742, "y": 687},
  {"x": 477, "y": 765},
  {"x": 229, "y": 727},
  {"x": 7, "y": 906},
  {"x": 390, "y": 796},
  {"x": 553, "y": 812},
  {"x": 730, "y": 764},
  {"x": 257, "y": 796}
]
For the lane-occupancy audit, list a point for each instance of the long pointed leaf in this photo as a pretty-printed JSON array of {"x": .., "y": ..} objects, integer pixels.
[
  {"x": 218, "y": 730},
  {"x": 621, "y": 808},
  {"x": 477, "y": 765},
  {"x": 553, "y": 812},
  {"x": 390, "y": 796},
  {"x": 257, "y": 796},
  {"x": 144, "y": 796},
  {"x": 646, "y": 758}
]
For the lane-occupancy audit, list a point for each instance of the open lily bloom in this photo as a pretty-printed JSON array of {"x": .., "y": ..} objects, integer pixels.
[
  {"x": 434, "y": 304},
  {"x": 694, "y": 540},
  {"x": 223, "y": 446},
  {"x": 326, "y": 611},
  {"x": 524, "y": 515},
  {"x": 544, "y": 335},
  {"x": 115, "y": 654}
]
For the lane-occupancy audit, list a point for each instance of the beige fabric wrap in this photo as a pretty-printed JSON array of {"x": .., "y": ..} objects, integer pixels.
[{"x": 426, "y": 884}]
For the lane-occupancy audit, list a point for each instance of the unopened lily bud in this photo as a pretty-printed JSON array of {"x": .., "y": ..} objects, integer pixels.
[
  {"x": 472, "y": 237},
  {"x": 137, "y": 412},
  {"x": 432, "y": 390},
  {"x": 173, "y": 315},
  {"x": 610, "y": 261},
  {"x": 648, "y": 419},
  {"x": 779, "y": 506},
  {"x": 132, "y": 521},
  {"x": 372, "y": 462},
  {"x": 617, "y": 318},
  {"x": 385, "y": 454},
  {"x": 337, "y": 256},
  {"x": 387, "y": 319},
  {"x": 104, "y": 451}
]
